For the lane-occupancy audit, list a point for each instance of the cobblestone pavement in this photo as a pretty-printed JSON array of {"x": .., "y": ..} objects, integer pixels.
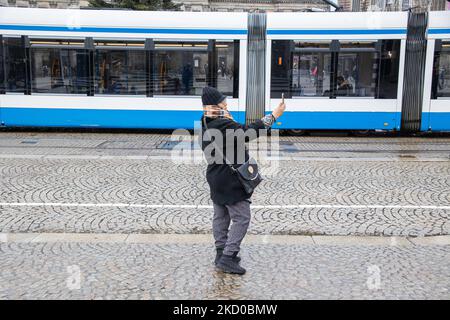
[
  {"x": 43, "y": 143},
  {"x": 125, "y": 201},
  {"x": 184, "y": 270},
  {"x": 407, "y": 198}
]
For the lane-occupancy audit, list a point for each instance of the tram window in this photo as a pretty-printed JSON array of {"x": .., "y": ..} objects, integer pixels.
[
  {"x": 311, "y": 74},
  {"x": 59, "y": 70},
  {"x": 14, "y": 65},
  {"x": 310, "y": 69},
  {"x": 443, "y": 74},
  {"x": 120, "y": 68},
  {"x": 301, "y": 69},
  {"x": 225, "y": 67},
  {"x": 357, "y": 72},
  {"x": 389, "y": 68},
  {"x": 180, "y": 68},
  {"x": 280, "y": 68}
]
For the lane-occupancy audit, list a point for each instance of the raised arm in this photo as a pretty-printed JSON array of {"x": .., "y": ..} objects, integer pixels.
[{"x": 252, "y": 130}]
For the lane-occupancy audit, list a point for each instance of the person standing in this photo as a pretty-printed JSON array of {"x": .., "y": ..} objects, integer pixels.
[{"x": 230, "y": 200}]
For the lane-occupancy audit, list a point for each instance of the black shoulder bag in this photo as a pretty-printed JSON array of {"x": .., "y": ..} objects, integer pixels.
[{"x": 248, "y": 173}]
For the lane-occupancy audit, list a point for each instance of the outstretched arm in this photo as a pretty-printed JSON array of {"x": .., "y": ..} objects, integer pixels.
[{"x": 265, "y": 122}]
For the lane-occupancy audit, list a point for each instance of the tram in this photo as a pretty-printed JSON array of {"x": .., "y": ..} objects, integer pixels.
[{"x": 139, "y": 69}]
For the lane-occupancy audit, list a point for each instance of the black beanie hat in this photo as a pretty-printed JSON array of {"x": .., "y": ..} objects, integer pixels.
[{"x": 212, "y": 96}]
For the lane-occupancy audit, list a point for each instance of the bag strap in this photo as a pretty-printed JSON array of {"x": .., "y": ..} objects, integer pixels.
[{"x": 220, "y": 152}]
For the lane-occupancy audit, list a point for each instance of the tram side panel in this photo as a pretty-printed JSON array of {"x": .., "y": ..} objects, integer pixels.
[{"x": 337, "y": 70}]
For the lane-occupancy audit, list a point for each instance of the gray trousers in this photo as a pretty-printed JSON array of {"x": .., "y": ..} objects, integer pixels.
[{"x": 227, "y": 237}]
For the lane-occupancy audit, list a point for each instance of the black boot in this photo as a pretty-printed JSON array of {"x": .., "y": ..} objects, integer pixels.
[
  {"x": 228, "y": 264},
  {"x": 219, "y": 252}
]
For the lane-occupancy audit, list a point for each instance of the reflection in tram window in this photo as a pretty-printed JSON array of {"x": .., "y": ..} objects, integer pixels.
[
  {"x": 14, "y": 65},
  {"x": 357, "y": 70},
  {"x": 443, "y": 85},
  {"x": 180, "y": 68},
  {"x": 280, "y": 68},
  {"x": 121, "y": 69},
  {"x": 363, "y": 69},
  {"x": 225, "y": 67},
  {"x": 389, "y": 69},
  {"x": 311, "y": 69},
  {"x": 58, "y": 70}
]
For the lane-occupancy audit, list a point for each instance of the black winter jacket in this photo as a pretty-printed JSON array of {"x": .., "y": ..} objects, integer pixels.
[{"x": 224, "y": 183}]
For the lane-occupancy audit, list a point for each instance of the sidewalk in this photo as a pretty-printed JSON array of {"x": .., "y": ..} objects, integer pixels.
[
  {"x": 108, "y": 216},
  {"x": 137, "y": 266}
]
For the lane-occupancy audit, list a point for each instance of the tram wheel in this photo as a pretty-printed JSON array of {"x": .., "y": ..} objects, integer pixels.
[
  {"x": 296, "y": 132},
  {"x": 361, "y": 133}
]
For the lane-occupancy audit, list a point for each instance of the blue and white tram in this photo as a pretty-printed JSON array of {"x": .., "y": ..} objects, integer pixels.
[
  {"x": 135, "y": 69},
  {"x": 340, "y": 70},
  {"x": 122, "y": 69},
  {"x": 436, "y": 97}
]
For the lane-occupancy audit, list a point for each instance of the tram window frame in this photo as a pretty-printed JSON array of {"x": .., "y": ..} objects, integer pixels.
[
  {"x": 2, "y": 67},
  {"x": 387, "y": 67},
  {"x": 358, "y": 48},
  {"x": 90, "y": 46},
  {"x": 219, "y": 45},
  {"x": 279, "y": 68},
  {"x": 210, "y": 52},
  {"x": 104, "y": 46},
  {"x": 324, "y": 50},
  {"x": 165, "y": 49},
  {"x": 7, "y": 69},
  {"x": 72, "y": 85},
  {"x": 442, "y": 47}
]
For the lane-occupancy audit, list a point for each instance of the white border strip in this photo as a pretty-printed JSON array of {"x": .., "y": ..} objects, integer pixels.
[
  {"x": 193, "y": 206},
  {"x": 159, "y": 238}
]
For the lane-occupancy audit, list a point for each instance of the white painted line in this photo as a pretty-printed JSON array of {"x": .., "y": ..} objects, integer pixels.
[
  {"x": 80, "y": 237},
  {"x": 332, "y": 206},
  {"x": 434, "y": 240},
  {"x": 363, "y": 240},
  {"x": 3, "y": 237},
  {"x": 22, "y": 237},
  {"x": 278, "y": 239},
  {"x": 22, "y": 156},
  {"x": 97, "y": 205},
  {"x": 193, "y": 206},
  {"x": 170, "y": 238},
  {"x": 110, "y": 157},
  {"x": 71, "y": 157}
]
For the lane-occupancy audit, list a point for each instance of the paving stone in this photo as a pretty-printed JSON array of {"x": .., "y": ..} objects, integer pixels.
[
  {"x": 137, "y": 225},
  {"x": 303, "y": 198},
  {"x": 51, "y": 270},
  {"x": 73, "y": 143}
]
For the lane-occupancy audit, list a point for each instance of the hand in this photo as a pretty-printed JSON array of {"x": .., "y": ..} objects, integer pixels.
[
  {"x": 278, "y": 111},
  {"x": 216, "y": 111},
  {"x": 228, "y": 115}
]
